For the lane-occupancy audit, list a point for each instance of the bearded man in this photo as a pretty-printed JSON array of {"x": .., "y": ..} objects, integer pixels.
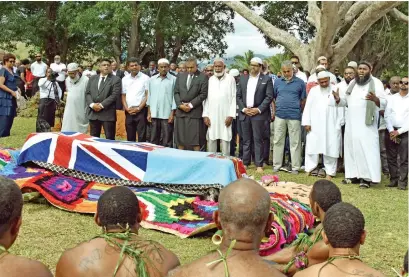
[
  {"x": 75, "y": 118},
  {"x": 362, "y": 155},
  {"x": 219, "y": 109},
  {"x": 323, "y": 127}
]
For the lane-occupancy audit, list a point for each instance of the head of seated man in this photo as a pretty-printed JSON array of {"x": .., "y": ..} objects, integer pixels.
[
  {"x": 244, "y": 216},
  {"x": 11, "y": 205},
  {"x": 324, "y": 194},
  {"x": 344, "y": 233},
  {"x": 118, "y": 214}
]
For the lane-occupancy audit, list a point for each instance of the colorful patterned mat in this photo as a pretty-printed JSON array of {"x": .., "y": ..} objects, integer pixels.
[{"x": 161, "y": 210}]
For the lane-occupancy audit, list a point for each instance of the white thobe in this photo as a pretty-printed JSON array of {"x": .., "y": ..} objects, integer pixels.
[
  {"x": 220, "y": 104},
  {"x": 75, "y": 119},
  {"x": 362, "y": 152}
]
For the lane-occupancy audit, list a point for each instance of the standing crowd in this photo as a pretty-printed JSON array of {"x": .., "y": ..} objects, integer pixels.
[{"x": 321, "y": 123}]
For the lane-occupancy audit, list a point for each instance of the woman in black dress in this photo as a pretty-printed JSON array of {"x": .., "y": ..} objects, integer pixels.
[{"x": 8, "y": 95}]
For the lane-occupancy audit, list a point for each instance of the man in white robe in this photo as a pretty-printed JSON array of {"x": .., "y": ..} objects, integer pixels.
[
  {"x": 219, "y": 109},
  {"x": 323, "y": 126},
  {"x": 362, "y": 155},
  {"x": 75, "y": 119}
]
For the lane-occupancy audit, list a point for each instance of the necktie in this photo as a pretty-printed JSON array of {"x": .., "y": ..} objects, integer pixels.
[
  {"x": 102, "y": 83},
  {"x": 189, "y": 81}
]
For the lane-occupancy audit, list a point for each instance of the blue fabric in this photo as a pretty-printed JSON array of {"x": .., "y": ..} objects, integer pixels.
[
  {"x": 288, "y": 96},
  {"x": 188, "y": 167},
  {"x": 8, "y": 104},
  {"x": 161, "y": 99}
]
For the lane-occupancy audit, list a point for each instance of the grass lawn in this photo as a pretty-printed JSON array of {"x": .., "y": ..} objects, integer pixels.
[{"x": 47, "y": 231}]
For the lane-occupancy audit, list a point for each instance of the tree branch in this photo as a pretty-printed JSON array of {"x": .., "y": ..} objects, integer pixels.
[
  {"x": 367, "y": 18},
  {"x": 344, "y": 8},
  {"x": 399, "y": 15},
  {"x": 329, "y": 25},
  {"x": 356, "y": 9},
  {"x": 144, "y": 52},
  {"x": 280, "y": 36},
  {"x": 313, "y": 14}
]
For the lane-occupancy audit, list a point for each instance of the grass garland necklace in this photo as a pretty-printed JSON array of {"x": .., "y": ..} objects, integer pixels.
[
  {"x": 3, "y": 251},
  {"x": 131, "y": 249},
  {"x": 331, "y": 259},
  {"x": 223, "y": 258}
]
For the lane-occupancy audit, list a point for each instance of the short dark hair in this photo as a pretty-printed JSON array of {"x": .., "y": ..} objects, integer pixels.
[
  {"x": 326, "y": 194},
  {"x": 7, "y": 57},
  {"x": 405, "y": 263},
  {"x": 25, "y": 62},
  {"x": 191, "y": 60},
  {"x": 343, "y": 225},
  {"x": 11, "y": 203},
  {"x": 295, "y": 57},
  {"x": 118, "y": 206},
  {"x": 349, "y": 67},
  {"x": 132, "y": 60},
  {"x": 105, "y": 60},
  {"x": 245, "y": 70}
]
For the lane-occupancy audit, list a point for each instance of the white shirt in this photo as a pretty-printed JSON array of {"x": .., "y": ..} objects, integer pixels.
[
  {"x": 251, "y": 90},
  {"x": 89, "y": 73},
  {"x": 38, "y": 69},
  {"x": 46, "y": 89},
  {"x": 382, "y": 122},
  {"x": 59, "y": 67},
  {"x": 301, "y": 75},
  {"x": 135, "y": 88},
  {"x": 397, "y": 113}
]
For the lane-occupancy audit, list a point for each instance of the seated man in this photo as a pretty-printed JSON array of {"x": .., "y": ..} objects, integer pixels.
[
  {"x": 344, "y": 233},
  {"x": 324, "y": 194},
  {"x": 244, "y": 216},
  {"x": 405, "y": 270},
  {"x": 119, "y": 251},
  {"x": 11, "y": 205}
]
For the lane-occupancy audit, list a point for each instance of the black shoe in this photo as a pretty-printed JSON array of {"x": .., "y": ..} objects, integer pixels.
[
  {"x": 351, "y": 181},
  {"x": 267, "y": 162},
  {"x": 392, "y": 185},
  {"x": 364, "y": 184},
  {"x": 401, "y": 188}
]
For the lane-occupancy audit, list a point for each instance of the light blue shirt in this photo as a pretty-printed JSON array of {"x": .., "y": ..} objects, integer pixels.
[{"x": 161, "y": 100}]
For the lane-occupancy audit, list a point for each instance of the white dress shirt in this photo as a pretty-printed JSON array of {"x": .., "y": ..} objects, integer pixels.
[
  {"x": 38, "y": 69},
  {"x": 301, "y": 75},
  {"x": 59, "y": 67},
  {"x": 397, "y": 113},
  {"x": 251, "y": 90},
  {"x": 46, "y": 89},
  {"x": 135, "y": 88}
]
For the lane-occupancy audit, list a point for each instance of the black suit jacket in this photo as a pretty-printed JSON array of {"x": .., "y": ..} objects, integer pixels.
[
  {"x": 118, "y": 104},
  {"x": 106, "y": 95},
  {"x": 148, "y": 72},
  {"x": 195, "y": 95},
  {"x": 262, "y": 98}
]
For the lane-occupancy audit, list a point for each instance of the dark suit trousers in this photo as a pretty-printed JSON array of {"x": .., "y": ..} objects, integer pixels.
[
  {"x": 109, "y": 128},
  {"x": 266, "y": 141},
  {"x": 233, "y": 142},
  {"x": 161, "y": 132},
  {"x": 136, "y": 124},
  {"x": 399, "y": 173},
  {"x": 253, "y": 129}
]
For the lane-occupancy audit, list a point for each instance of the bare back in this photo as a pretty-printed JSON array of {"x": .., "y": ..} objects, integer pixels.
[
  {"x": 15, "y": 266},
  {"x": 239, "y": 265},
  {"x": 340, "y": 268},
  {"x": 98, "y": 258}
]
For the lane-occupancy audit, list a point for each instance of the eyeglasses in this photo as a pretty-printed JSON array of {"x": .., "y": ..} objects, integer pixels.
[
  {"x": 404, "y": 83},
  {"x": 12, "y": 61}
]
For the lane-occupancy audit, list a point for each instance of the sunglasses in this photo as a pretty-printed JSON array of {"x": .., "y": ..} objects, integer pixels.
[{"x": 404, "y": 83}]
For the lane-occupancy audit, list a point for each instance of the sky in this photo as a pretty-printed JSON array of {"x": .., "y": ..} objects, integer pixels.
[{"x": 246, "y": 37}]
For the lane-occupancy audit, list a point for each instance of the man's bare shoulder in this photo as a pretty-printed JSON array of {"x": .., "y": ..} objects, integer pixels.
[
  {"x": 20, "y": 266},
  {"x": 195, "y": 268}
]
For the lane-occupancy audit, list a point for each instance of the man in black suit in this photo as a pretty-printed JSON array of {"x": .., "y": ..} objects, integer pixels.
[
  {"x": 190, "y": 92},
  {"x": 151, "y": 70},
  {"x": 101, "y": 95},
  {"x": 254, "y": 96}
]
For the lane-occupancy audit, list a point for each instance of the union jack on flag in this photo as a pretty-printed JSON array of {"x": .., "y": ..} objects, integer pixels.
[{"x": 77, "y": 151}]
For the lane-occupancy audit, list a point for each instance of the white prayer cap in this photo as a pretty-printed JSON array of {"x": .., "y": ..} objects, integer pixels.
[
  {"x": 321, "y": 58},
  {"x": 323, "y": 74},
  {"x": 72, "y": 67},
  {"x": 234, "y": 72},
  {"x": 163, "y": 61},
  {"x": 320, "y": 67},
  {"x": 353, "y": 64},
  {"x": 256, "y": 60}
]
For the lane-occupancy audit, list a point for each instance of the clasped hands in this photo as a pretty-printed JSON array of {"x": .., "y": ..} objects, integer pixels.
[
  {"x": 394, "y": 136},
  {"x": 97, "y": 107},
  {"x": 133, "y": 110},
  {"x": 185, "y": 107},
  {"x": 227, "y": 122},
  {"x": 251, "y": 111}
]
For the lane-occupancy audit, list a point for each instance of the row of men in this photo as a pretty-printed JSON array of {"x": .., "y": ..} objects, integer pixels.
[{"x": 121, "y": 251}]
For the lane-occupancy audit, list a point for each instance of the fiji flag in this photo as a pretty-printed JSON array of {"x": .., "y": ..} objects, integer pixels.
[{"x": 113, "y": 159}]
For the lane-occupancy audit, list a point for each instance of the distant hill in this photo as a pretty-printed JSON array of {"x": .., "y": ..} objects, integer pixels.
[{"x": 228, "y": 60}]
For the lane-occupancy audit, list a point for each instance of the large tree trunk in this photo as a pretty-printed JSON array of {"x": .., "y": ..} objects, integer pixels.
[
  {"x": 64, "y": 46},
  {"x": 116, "y": 46},
  {"x": 160, "y": 44},
  {"x": 176, "y": 50},
  {"x": 51, "y": 47},
  {"x": 134, "y": 41}
]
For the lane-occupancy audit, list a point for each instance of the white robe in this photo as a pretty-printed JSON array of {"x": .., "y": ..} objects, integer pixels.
[
  {"x": 75, "y": 119},
  {"x": 325, "y": 135},
  {"x": 220, "y": 104},
  {"x": 362, "y": 153}
]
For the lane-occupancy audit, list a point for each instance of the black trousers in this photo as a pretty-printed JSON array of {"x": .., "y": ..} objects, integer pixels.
[
  {"x": 253, "y": 129},
  {"x": 161, "y": 132},
  {"x": 46, "y": 110},
  {"x": 266, "y": 141},
  {"x": 109, "y": 128},
  {"x": 136, "y": 124},
  {"x": 233, "y": 142},
  {"x": 398, "y": 172},
  {"x": 62, "y": 87}
]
